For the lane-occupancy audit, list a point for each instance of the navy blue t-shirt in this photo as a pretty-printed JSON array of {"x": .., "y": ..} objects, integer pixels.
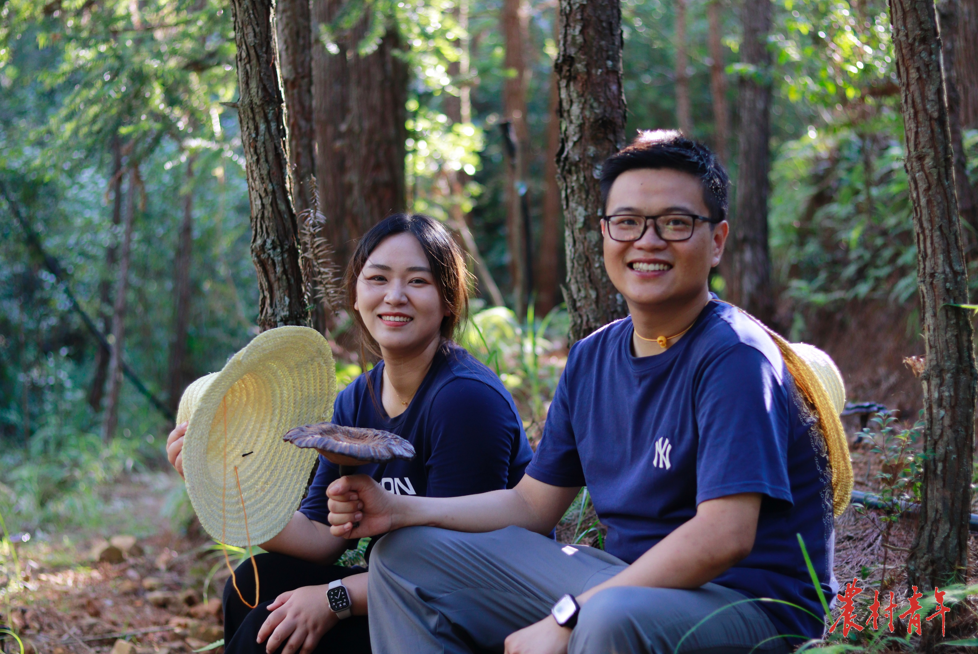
[
  {"x": 712, "y": 416},
  {"x": 463, "y": 424}
]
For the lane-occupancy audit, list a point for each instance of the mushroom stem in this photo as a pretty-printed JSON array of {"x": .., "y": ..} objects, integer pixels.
[{"x": 346, "y": 470}]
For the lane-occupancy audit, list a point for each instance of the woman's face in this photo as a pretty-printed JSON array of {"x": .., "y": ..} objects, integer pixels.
[{"x": 397, "y": 297}]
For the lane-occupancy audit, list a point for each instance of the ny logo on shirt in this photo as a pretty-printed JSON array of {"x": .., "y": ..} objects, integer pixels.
[{"x": 662, "y": 449}]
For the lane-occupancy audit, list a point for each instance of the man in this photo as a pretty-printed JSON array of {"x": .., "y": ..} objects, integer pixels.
[{"x": 683, "y": 423}]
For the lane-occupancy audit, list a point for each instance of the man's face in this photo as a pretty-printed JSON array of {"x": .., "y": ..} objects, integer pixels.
[{"x": 652, "y": 274}]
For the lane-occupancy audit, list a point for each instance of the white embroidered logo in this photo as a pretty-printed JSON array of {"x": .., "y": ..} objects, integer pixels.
[{"x": 662, "y": 449}]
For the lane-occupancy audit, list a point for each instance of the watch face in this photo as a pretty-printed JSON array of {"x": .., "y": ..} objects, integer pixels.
[
  {"x": 564, "y": 609},
  {"x": 338, "y": 599}
]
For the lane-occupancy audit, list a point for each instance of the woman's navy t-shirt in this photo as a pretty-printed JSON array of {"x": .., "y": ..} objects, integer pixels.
[
  {"x": 712, "y": 416},
  {"x": 462, "y": 422}
]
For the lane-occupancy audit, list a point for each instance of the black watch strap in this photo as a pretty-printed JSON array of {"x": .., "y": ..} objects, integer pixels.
[{"x": 565, "y": 611}]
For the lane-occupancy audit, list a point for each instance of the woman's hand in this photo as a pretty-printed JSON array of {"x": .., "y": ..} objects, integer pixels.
[
  {"x": 544, "y": 637},
  {"x": 359, "y": 499},
  {"x": 174, "y": 446},
  {"x": 300, "y": 617}
]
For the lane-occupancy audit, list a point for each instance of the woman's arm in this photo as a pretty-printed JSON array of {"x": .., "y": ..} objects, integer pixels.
[{"x": 307, "y": 540}]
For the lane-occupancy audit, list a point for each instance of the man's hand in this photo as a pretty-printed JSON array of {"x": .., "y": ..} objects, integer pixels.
[
  {"x": 544, "y": 637},
  {"x": 174, "y": 446},
  {"x": 359, "y": 499},
  {"x": 300, "y": 617}
]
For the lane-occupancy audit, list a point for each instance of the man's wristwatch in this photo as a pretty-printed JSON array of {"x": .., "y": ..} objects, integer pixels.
[
  {"x": 565, "y": 611},
  {"x": 339, "y": 599}
]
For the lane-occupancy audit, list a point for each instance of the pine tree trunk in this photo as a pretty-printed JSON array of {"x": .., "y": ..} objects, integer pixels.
[
  {"x": 514, "y": 26},
  {"x": 274, "y": 237},
  {"x": 750, "y": 278},
  {"x": 966, "y": 62},
  {"x": 718, "y": 86},
  {"x": 592, "y": 128},
  {"x": 294, "y": 26},
  {"x": 181, "y": 291},
  {"x": 684, "y": 113},
  {"x": 97, "y": 390},
  {"x": 949, "y": 12},
  {"x": 359, "y": 106},
  {"x": 548, "y": 261},
  {"x": 111, "y": 417},
  {"x": 939, "y": 554}
]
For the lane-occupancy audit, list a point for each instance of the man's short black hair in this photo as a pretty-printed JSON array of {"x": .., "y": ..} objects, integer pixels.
[{"x": 669, "y": 149}]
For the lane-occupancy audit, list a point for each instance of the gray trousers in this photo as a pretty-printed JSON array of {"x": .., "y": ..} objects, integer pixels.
[{"x": 432, "y": 590}]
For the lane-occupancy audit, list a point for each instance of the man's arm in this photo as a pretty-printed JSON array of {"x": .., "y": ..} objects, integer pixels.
[
  {"x": 719, "y": 535},
  {"x": 532, "y": 504}
]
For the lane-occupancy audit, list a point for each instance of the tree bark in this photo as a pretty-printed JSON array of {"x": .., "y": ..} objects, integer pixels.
[
  {"x": 294, "y": 27},
  {"x": 97, "y": 390},
  {"x": 514, "y": 25},
  {"x": 750, "y": 281},
  {"x": 939, "y": 554},
  {"x": 359, "y": 106},
  {"x": 592, "y": 128},
  {"x": 181, "y": 291},
  {"x": 965, "y": 62},
  {"x": 111, "y": 417},
  {"x": 274, "y": 237},
  {"x": 949, "y": 12},
  {"x": 718, "y": 86},
  {"x": 684, "y": 113},
  {"x": 548, "y": 261}
]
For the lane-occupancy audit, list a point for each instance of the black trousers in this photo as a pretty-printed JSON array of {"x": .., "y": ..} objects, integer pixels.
[{"x": 278, "y": 574}]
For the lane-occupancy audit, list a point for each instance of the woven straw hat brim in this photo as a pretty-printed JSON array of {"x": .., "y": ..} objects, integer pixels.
[{"x": 284, "y": 378}]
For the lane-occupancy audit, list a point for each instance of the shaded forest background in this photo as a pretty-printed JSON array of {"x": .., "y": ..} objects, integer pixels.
[{"x": 124, "y": 193}]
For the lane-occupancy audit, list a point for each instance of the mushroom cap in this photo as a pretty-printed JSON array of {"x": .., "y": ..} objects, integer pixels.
[{"x": 350, "y": 446}]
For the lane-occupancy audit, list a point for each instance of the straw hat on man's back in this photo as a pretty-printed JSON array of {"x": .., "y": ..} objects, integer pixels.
[{"x": 283, "y": 379}]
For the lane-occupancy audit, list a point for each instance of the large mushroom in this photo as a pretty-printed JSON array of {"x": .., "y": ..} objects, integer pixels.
[{"x": 349, "y": 447}]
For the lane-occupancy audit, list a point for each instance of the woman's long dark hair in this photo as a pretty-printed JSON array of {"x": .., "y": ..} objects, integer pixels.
[{"x": 444, "y": 258}]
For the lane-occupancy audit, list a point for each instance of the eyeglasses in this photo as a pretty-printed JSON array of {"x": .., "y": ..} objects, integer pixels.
[{"x": 669, "y": 227}]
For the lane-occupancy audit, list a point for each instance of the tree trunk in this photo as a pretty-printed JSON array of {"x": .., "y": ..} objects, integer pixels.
[
  {"x": 949, "y": 12},
  {"x": 718, "y": 86},
  {"x": 274, "y": 237},
  {"x": 118, "y": 337},
  {"x": 360, "y": 114},
  {"x": 965, "y": 62},
  {"x": 939, "y": 554},
  {"x": 548, "y": 260},
  {"x": 459, "y": 110},
  {"x": 684, "y": 113},
  {"x": 97, "y": 390},
  {"x": 181, "y": 291},
  {"x": 294, "y": 26},
  {"x": 750, "y": 281},
  {"x": 514, "y": 25},
  {"x": 592, "y": 128}
]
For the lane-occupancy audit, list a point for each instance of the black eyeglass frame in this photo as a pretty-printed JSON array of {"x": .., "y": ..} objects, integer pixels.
[{"x": 655, "y": 225}]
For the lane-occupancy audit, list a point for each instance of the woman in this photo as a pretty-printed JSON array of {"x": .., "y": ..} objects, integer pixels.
[{"x": 406, "y": 287}]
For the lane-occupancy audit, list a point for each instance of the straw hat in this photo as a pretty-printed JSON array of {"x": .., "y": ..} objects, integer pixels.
[
  {"x": 285, "y": 377},
  {"x": 819, "y": 381}
]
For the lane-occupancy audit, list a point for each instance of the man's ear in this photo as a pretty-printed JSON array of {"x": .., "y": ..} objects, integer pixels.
[
  {"x": 603, "y": 227},
  {"x": 720, "y": 233}
]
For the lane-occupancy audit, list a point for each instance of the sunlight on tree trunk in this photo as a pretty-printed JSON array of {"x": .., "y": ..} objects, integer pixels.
[
  {"x": 592, "y": 128},
  {"x": 684, "y": 113},
  {"x": 181, "y": 291},
  {"x": 749, "y": 278},
  {"x": 939, "y": 554},
  {"x": 118, "y": 337},
  {"x": 718, "y": 85},
  {"x": 274, "y": 235}
]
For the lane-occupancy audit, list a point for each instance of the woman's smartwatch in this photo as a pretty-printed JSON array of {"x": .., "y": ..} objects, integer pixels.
[
  {"x": 565, "y": 611},
  {"x": 339, "y": 599}
]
